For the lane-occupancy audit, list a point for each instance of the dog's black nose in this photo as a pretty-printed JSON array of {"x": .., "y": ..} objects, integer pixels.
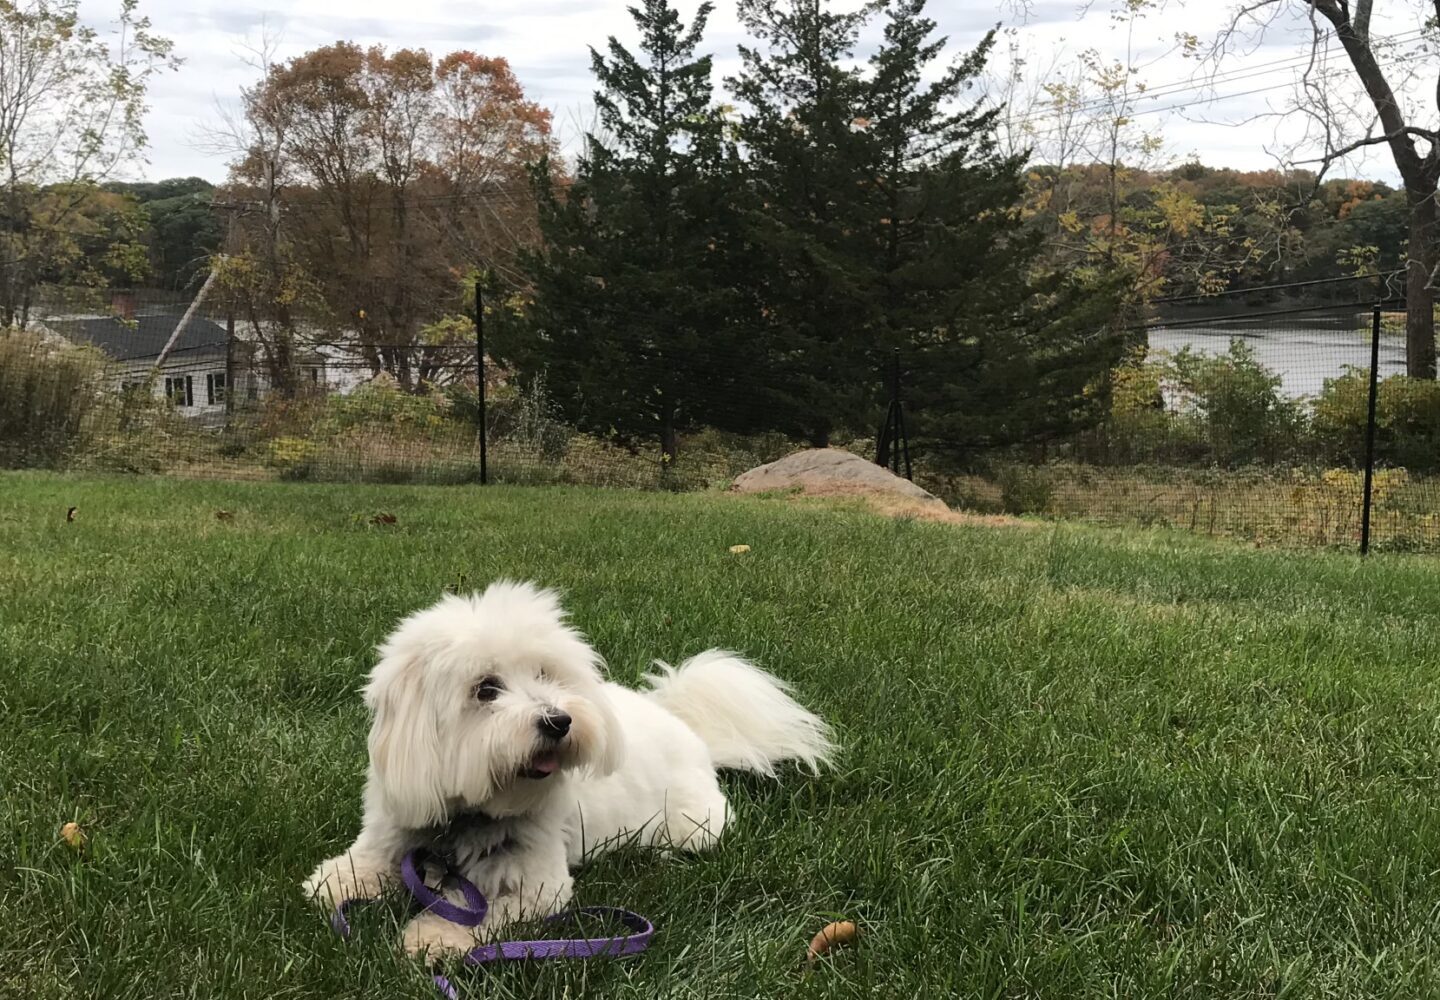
[{"x": 555, "y": 725}]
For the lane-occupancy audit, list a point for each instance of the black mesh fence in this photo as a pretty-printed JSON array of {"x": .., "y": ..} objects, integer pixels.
[
  {"x": 142, "y": 382},
  {"x": 1249, "y": 423}
]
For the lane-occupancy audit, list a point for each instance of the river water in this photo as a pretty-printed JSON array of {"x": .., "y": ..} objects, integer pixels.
[{"x": 1303, "y": 350}]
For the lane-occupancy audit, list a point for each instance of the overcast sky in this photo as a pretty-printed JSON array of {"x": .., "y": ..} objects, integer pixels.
[{"x": 546, "y": 43}]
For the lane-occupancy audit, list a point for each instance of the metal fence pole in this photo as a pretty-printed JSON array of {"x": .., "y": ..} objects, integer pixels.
[
  {"x": 895, "y": 412},
  {"x": 902, "y": 436},
  {"x": 229, "y": 361},
  {"x": 1370, "y": 430},
  {"x": 480, "y": 376},
  {"x": 884, "y": 440}
]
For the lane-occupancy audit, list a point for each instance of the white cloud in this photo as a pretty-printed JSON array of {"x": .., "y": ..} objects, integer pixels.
[{"x": 547, "y": 43}]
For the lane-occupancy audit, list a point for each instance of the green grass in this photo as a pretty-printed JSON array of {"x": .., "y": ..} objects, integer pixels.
[{"x": 1077, "y": 764}]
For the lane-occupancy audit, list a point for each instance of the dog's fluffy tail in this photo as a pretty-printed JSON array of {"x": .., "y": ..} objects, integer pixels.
[{"x": 745, "y": 716}]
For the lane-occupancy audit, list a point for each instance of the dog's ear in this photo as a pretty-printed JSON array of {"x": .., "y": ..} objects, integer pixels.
[
  {"x": 405, "y": 744},
  {"x": 608, "y": 760}
]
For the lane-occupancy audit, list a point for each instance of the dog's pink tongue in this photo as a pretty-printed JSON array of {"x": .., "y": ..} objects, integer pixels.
[{"x": 545, "y": 763}]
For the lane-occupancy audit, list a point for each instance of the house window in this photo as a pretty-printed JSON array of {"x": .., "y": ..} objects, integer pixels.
[
  {"x": 215, "y": 388},
  {"x": 314, "y": 375},
  {"x": 180, "y": 390}
]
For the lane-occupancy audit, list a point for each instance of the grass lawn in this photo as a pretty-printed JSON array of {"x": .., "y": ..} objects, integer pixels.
[{"x": 1077, "y": 763}]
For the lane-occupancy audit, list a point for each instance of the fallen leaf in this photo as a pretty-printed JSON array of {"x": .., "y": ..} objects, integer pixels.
[
  {"x": 70, "y": 514},
  {"x": 224, "y": 515},
  {"x": 383, "y": 518},
  {"x": 840, "y": 932},
  {"x": 73, "y": 835},
  {"x": 738, "y": 549}
]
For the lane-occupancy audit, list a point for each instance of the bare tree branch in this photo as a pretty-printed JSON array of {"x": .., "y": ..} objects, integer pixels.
[
  {"x": 1361, "y": 18},
  {"x": 1371, "y": 140}
]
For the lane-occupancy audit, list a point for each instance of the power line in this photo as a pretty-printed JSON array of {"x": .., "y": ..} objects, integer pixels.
[
  {"x": 1281, "y": 286},
  {"x": 1240, "y": 73},
  {"x": 1214, "y": 100},
  {"x": 1178, "y": 87}
]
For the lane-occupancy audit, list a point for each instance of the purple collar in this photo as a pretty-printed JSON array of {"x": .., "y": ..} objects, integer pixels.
[{"x": 412, "y": 868}]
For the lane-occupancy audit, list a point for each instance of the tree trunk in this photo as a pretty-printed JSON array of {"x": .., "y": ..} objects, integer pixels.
[
  {"x": 1419, "y": 296},
  {"x": 282, "y": 367}
]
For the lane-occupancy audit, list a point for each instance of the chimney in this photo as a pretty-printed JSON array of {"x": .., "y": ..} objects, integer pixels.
[{"x": 122, "y": 304}]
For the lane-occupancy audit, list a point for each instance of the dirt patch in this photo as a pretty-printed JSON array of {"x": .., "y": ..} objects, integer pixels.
[
  {"x": 819, "y": 469},
  {"x": 889, "y": 505}
]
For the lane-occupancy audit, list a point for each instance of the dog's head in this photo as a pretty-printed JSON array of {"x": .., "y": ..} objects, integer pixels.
[{"x": 483, "y": 698}]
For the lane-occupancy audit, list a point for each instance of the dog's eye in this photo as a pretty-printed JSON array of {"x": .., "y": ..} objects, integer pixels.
[{"x": 487, "y": 689}]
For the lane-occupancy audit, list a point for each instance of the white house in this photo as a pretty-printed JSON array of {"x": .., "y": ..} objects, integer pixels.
[{"x": 206, "y": 371}]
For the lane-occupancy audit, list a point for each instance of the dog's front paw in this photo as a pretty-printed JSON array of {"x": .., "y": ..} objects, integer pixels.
[
  {"x": 510, "y": 908},
  {"x": 502, "y": 912},
  {"x": 345, "y": 877},
  {"x": 432, "y": 937}
]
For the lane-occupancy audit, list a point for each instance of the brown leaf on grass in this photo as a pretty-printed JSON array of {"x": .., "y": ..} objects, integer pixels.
[
  {"x": 70, "y": 514},
  {"x": 224, "y": 515},
  {"x": 840, "y": 932},
  {"x": 73, "y": 835},
  {"x": 383, "y": 518}
]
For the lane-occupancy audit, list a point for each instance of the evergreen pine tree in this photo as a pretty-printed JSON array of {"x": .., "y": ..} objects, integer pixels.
[
  {"x": 998, "y": 354},
  {"x": 806, "y": 153},
  {"x": 629, "y": 314}
]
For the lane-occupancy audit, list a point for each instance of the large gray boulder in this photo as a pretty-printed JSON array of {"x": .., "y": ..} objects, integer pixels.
[{"x": 832, "y": 472}]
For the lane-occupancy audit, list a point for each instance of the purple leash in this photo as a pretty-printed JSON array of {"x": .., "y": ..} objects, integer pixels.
[{"x": 473, "y": 914}]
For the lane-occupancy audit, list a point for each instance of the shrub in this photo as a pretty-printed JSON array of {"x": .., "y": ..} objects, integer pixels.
[
  {"x": 1141, "y": 425},
  {"x": 1407, "y": 420},
  {"x": 1338, "y": 417},
  {"x": 377, "y": 455},
  {"x": 294, "y": 457},
  {"x": 281, "y": 416},
  {"x": 52, "y": 396},
  {"x": 382, "y": 402},
  {"x": 1237, "y": 403},
  {"x": 525, "y": 417},
  {"x": 1025, "y": 490}
]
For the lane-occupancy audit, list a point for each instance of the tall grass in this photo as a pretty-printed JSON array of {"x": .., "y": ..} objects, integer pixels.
[{"x": 52, "y": 395}]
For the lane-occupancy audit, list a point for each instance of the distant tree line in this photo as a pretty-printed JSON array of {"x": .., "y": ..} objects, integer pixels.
[{"x": 749, "y": 259}]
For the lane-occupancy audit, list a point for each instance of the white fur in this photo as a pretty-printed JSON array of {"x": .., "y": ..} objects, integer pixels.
[{"x": 633, "y": 766}]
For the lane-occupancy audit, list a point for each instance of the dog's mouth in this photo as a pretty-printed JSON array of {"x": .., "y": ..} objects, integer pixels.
[{"x": 542, "y": 765}]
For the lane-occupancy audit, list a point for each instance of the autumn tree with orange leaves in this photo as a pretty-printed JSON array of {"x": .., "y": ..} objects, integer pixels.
[{"x": 386, "y": 179}]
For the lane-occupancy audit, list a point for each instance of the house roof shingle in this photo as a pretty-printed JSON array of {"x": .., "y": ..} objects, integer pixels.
[{"x": 146, "y": 338}]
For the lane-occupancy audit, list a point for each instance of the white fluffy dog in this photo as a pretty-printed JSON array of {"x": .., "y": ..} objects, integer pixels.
[{"x": 497, "y": 743}]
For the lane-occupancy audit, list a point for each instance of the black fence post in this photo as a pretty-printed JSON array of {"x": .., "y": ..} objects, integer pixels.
[
  {"x": 480, "y": 376},
  {"x": 229, "y": 361},
  {"x": 895, "y": 412},
  {"x": 902, "y": 436},
  {"x": 893, "y": 439},
  {"x": 1370, "y": 430},
  {"x": 883, "y": 440}
]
